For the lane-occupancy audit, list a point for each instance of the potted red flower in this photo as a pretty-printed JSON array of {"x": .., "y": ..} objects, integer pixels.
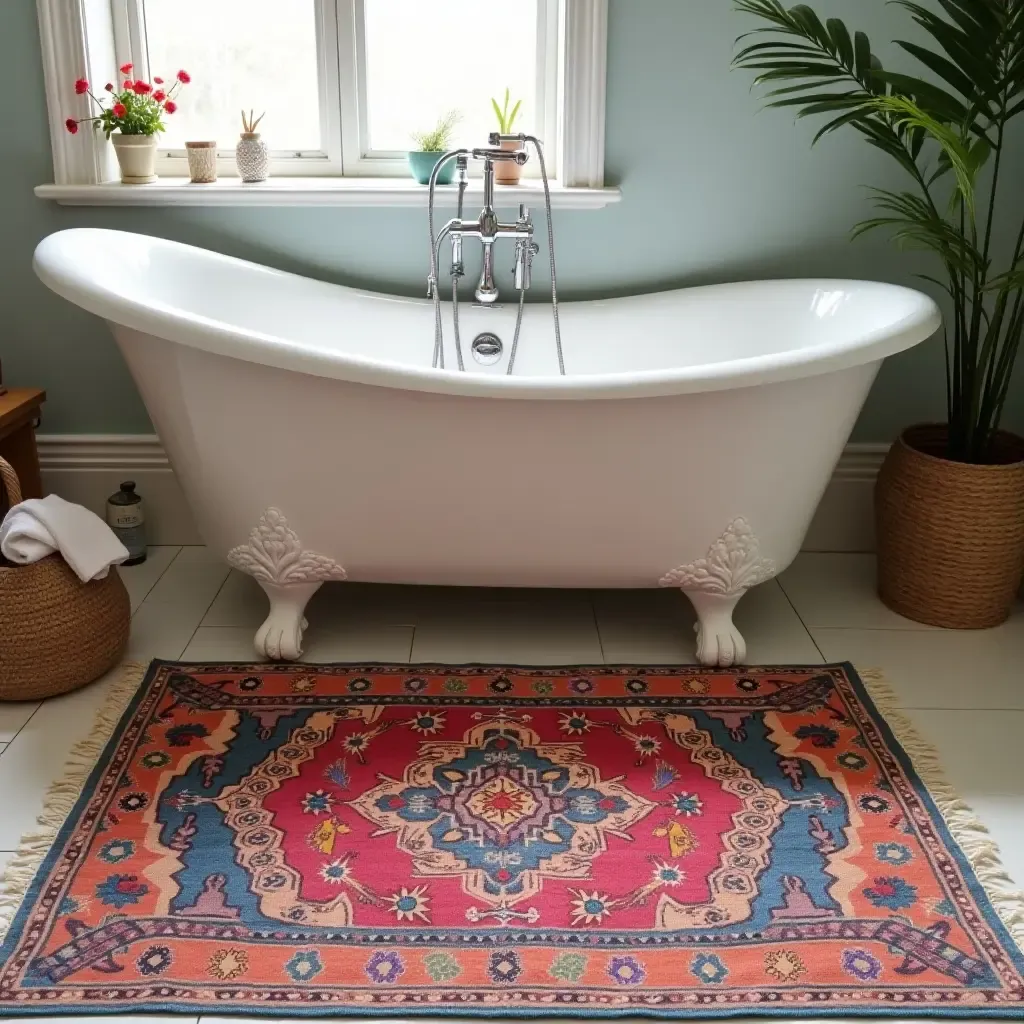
[{"x": 132, "y": 120}]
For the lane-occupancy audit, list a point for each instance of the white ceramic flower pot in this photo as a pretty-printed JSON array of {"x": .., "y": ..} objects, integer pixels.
[
  {"x": 136, "y": 155},
  {"x": 252, "y": 157}
]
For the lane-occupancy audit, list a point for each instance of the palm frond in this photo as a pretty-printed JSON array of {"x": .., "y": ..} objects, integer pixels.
[
  {"x": 914, "y": 224},
  {"x": 943, "y": 126},
  {"x": 964, "y": 159}
]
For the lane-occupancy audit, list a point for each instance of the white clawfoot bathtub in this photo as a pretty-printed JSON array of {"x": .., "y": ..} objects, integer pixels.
[{"x": 687, "y": 446}]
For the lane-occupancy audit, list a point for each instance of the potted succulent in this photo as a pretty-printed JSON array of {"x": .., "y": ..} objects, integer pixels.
[
  {"x": 950, "y": 497},
  {"x": 132, "y": 120},
  {"x": 430, "y": 146},
  {"x": 506, "y": 172}
]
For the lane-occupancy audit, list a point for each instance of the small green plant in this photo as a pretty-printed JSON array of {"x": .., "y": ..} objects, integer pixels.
[
  {"x": 505, "y": 118},
  {"x": 439, "y": 138}
]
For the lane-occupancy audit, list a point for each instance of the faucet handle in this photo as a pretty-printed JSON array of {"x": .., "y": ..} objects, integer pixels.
[
  {"x": 526, "y": 249},
  {"x": 496, "y": 138}
]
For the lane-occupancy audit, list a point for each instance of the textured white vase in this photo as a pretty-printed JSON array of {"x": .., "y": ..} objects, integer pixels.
[
  {"x": 252, "y": 157},
  {"x": 136, "y": 156}
]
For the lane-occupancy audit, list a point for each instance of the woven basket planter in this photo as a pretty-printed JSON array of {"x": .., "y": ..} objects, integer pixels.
[
  {"x": 56, "y": 633},
  {"x": 950, "y": 534}
]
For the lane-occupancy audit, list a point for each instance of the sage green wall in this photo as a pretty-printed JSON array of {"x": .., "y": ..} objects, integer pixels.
[{"x": 713, "y": 190}]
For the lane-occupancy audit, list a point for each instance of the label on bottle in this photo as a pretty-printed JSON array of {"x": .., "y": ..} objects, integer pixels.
[
  {"x": 124, "y": 517},
  {"x": 134, "y": 539}
]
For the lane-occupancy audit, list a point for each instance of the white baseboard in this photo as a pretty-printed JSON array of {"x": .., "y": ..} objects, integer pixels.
[
  {"x": 845, "y": 520},
  {"x": 86, "y": 468}
]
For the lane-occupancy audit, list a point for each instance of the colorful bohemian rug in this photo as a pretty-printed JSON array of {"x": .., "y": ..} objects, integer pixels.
[{"x": 674, "y": 842}]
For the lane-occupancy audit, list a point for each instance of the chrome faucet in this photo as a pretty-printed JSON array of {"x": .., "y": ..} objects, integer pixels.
[{"x": 489, "y": 229}]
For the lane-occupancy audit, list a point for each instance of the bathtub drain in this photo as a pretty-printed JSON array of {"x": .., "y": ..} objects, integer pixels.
[{"x": 487, "y": 348}]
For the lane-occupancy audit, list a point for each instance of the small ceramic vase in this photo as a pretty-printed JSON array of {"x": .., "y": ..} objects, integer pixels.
[
  {"x": 136, "y": 156},
  {"x": 252, "y": 157},
  {"x": 202, "y": 162}
]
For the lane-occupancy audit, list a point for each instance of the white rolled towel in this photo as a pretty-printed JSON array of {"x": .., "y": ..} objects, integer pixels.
[{"x": 38, "y": 527}]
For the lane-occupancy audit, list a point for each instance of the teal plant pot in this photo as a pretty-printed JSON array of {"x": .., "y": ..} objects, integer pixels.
[{"x": 422, "y": 166}]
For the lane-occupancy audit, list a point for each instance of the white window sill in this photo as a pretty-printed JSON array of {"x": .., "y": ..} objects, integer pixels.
[{"x": 317, "y": 192}]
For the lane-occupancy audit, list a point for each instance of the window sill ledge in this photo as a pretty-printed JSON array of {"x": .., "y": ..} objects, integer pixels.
[{"x": 316, "y": 192}]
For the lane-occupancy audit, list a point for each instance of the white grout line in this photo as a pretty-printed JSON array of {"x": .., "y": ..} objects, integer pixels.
[
  {"x": 796, "y": 611},
  {"x": 206, "y": 610},
  {"x": 19, "y": 731},
  {"x": 160, "y": 576}
]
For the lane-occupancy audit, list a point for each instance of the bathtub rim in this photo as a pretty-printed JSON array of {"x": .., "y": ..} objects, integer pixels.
[{"x": 71, "y": 280}]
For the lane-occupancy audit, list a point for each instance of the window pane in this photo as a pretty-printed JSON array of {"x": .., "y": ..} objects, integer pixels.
[
  {"x": 423, "y": 59},
  {"x": 251, "y": 54}
]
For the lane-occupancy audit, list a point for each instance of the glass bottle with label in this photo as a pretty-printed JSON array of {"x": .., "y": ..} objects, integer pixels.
[{"x": 125, "y": 517}]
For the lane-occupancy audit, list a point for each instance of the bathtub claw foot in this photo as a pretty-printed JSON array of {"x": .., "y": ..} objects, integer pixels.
[
  {"x": 280, "y": 637},
  {"x": 289, "y": 575},
  {"x": 719, "y": 642},
  {"x": 714, "y": 584}
]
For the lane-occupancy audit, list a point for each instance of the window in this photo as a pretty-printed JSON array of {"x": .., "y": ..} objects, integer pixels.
[
  {"x": 421, "y": 59},
  {"x": 248, "y": 53},
  {"x": 344, "y": 83}
]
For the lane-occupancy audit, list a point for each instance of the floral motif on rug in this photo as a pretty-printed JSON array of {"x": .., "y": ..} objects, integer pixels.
[{"x": 404, "y": 839}]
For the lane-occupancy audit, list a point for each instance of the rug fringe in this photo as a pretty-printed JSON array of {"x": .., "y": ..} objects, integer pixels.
[
  {"x": 64, "y": 792},
  {"x": 967, "y": 830}
]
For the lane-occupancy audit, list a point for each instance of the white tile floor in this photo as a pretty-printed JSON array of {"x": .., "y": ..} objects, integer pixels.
[{"x": 964, "y": 690}]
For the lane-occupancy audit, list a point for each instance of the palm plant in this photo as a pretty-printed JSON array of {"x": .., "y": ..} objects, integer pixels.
[{"x": 950, "y": 133}]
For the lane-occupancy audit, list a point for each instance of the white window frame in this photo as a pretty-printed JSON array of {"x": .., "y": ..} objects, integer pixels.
[
  {"x": 93, "y": 37},
  {"x": 359, "y": 160},
  {"x": 129, "y": 29}
]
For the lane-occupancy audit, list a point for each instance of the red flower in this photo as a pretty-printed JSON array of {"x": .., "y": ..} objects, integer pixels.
[
  {"x": 142, "y": 88},
  {"x": 81, "y": 87},
  {"x": 184, "y": 77},
  {"x": 127, "y": 86},
  {"x": 170, "y": 106},
  {"x": 119, "y": 110},
  {"x": 72, "y": 125},
  {"x": 109, "y": 87},
  {"x": 159, "y": 81},
  {"x": 126, "y": 69},
  {"x": 159, "y": 95}
]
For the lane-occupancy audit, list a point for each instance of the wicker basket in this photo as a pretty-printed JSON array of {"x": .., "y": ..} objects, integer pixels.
[
  {"x": 56, "y": 633},
  {"x": 950, "y": 535}
]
